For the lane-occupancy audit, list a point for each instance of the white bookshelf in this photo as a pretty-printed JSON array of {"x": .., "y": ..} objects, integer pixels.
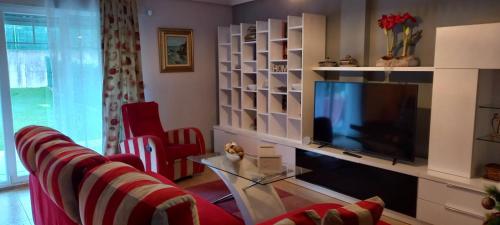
[{"x": 279, "y": 63}]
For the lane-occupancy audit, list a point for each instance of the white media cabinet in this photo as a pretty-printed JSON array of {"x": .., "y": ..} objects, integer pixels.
[{"x": 465, "y": 93}]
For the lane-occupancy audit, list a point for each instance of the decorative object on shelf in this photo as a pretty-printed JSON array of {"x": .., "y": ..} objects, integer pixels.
[
  {"x": 268, "y": 161},
  {"x": 328, "y": 63},
  {"x": 348, "y": 61},
  {"x": 252, "y": 87},
  {"x": 237, "y": 67},
  {"x": 492, "y": 172},
  {"x": 297, "y": 86},
  {"x": 495, "y": 125},
  {"x": 233, "y": 151},
  {"x": 390, "y": 25},
  {"x": 492, "y": 202},
  {"x": 251, "y": 34},
  {"x": 279, "y": 68},
  {"x": 176, "y": 50}
]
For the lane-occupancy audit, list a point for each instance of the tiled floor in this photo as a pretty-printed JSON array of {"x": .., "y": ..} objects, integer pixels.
[{"x": 15, "y": 206}]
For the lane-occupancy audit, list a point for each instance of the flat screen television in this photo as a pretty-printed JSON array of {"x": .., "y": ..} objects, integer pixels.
[{"x": 377, "y": 118}]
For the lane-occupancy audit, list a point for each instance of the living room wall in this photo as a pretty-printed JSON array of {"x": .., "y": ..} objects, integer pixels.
[
  {"x": 185, "y": 99},
  {"x": 432, "y": 14}
]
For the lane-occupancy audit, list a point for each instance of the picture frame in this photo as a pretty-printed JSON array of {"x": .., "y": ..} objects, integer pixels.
[{"x": 176, "y": 50}]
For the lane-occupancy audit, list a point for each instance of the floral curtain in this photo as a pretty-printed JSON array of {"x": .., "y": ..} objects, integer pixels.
[{"x": 122, "y": 65}]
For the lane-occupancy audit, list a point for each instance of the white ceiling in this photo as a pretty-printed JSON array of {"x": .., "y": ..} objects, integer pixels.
[{"x": 225, "y": 2}]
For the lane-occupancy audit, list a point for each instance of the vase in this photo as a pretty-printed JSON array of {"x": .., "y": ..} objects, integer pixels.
[
  {"x": 406, "y": 61},
  {"x": 385, "y": 61}
]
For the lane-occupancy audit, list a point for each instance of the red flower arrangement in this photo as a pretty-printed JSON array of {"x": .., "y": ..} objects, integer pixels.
[{"x": 389, "y": 22}]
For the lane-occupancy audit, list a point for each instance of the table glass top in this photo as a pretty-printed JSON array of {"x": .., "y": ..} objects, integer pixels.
[{"x": 247, "y": 168}]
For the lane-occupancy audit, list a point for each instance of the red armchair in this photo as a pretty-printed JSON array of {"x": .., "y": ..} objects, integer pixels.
[{"x": 162, "y": 152}]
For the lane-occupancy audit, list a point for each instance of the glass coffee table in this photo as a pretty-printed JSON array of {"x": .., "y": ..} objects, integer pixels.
[{"x": 256, "y": 199}]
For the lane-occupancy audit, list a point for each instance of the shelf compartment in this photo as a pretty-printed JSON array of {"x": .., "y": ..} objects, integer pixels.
[
  {"x": 295, "y": 39},
  {"x": 223, "y": 35},
  {"x": 249, "y": 120},
  {"x": 278, "y": 82},
  {"x": 277, "y": 125},
  {"x": 278, "y": 103},
  {"x": 294, "y": 129},
  {"x": 294, "y": 106},
  {"x": 262, "y": 26},
  {"x": 250, "y": 100},
  {"x": 236, "y": 98},
  {"x": 249, "y": 67},
  {"x": 225, "y": 97},
  {"x": 295, "y": 60},
  {"x": 294, "y": 78},
  {"x": 278, "y": 51},
  {"x": 262, "y": 79},
  {"x": 262, "y": 102},
  {"x": 262, "y": 123},
  {"x": 225, "y": 116},
  {"x": 236, "y": 118},
  {"x": 262, "y": 61},
  {"x": 277, "y": 29},
  {"x": 294, "y": 21},
  {"x": 224, "y": 54},
  {"x": 262, "y": 42},
  {"x": 225, "y": 81},
  {"x": 235, "y": 79}
]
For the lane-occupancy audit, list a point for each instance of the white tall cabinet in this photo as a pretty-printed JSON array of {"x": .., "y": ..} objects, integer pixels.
[{"x": 466, "y": 93}]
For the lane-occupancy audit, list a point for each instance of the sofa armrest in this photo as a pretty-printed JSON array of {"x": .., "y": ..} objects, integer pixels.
[
  {"x": 189, "y": 135},
  {"x": 129, "y": 159},
  {"x": 149, "y": 149}
]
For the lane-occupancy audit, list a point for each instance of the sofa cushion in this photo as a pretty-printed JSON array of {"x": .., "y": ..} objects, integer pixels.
[
  {"x": 307, "y": 217},
  {"x": 116, "y": 193},
  {"x": 367, "y": 212},
  {"x": 61, "y": 167},
  {"x": 320, "y": 209},
  {"x": 29, "y": 139},
  {"x": 206, "y": 210}
]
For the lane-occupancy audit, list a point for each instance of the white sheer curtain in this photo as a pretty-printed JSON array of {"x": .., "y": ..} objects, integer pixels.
[{"x": 76, "y": 59}]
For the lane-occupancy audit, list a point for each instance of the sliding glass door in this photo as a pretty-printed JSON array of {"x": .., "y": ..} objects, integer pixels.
[{"x": 50, "y": 71}]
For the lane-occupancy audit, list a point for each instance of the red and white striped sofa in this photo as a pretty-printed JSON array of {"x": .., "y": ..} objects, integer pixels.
[
  {"x": 71, "y": 185},
  {"x": 164, "y": 152}
]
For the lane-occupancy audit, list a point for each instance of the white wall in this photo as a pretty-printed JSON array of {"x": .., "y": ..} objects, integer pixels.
[{"x": 185, "y": 99}]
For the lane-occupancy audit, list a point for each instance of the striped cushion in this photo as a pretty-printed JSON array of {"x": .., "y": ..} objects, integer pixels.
[
  {"x": 61, "y": 167},
  {"x": 367, "y": 212},
  {"x": 118, "y": 194},
  {"x": 29, "y": 139},
  {"x": 308, "y": 217}
]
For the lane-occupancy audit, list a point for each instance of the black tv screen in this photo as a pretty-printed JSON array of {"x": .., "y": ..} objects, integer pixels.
[{"x": 374, "y": 118}]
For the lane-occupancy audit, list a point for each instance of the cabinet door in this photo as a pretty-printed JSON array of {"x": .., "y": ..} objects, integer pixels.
[
  {"x": 222, "y": 137},
  {"x": 452, "y": 121}
]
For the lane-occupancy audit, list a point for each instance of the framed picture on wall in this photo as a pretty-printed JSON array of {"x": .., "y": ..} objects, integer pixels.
[{"x": 176, "y": 50}]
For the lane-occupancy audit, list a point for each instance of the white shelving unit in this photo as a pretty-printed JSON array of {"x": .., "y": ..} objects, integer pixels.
[{"x": 278, "y": 63}]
